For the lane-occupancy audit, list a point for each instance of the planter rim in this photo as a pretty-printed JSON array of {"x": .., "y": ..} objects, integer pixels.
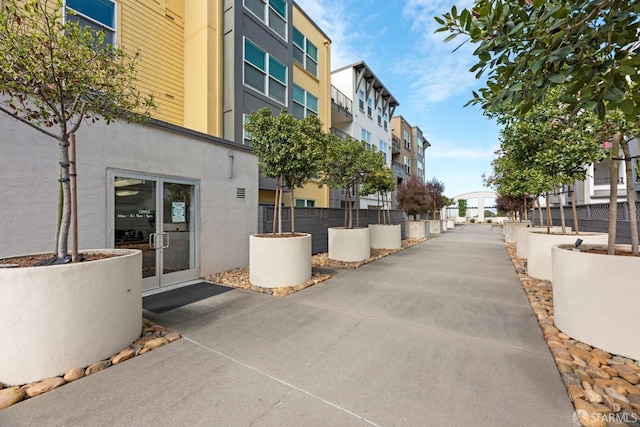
[
  {"x": 347, "y": 228},
  {"x": 118, "y": 252},
  {"x": 388, "y": 225},
  {"x": 287, "y": 235},
  {"x": 567, "y": 246},
  {"x": 588, "y": 233}
]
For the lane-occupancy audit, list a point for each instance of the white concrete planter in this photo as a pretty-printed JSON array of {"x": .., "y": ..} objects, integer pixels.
[
  {"x": 595, "y": 298},
  {"x": 435, "y": 226},
  {"x": 522, "y": 237},
  {"x": 539, "y": 250},
  {"x": 416, "y": 230},
  {"x": 450, "y": 224},
  {"x": 279, "y": 261},
  {"x": 510, "y": 230},
  {"x": 349, "y": 244},
  {"x": 56, "y": 318},
  {"x": 385, "y": 236}
]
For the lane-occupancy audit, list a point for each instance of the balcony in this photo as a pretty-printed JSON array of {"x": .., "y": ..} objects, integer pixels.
[
  {"x": 398, "y": 169},
  {"x": 341, "y": 107},
  {"x": 395, "y": 145},
  {"x": 339, "y": 133}
]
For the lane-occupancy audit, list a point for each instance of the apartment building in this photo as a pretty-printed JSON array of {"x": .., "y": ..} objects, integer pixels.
[
  {"x": 361, "y": 108},
  {"x": 408, "y": 150},
  {"x": 174, "y": 187}
]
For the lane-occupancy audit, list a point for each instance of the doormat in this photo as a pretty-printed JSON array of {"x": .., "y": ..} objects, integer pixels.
[{"x": 165, "y": 301}]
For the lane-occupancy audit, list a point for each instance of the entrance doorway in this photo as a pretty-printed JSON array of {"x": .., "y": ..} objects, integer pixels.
[{"x": 158, "y": 216}]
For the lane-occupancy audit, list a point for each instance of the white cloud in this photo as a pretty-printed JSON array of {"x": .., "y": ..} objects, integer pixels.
[{"x": 336, "y": 20}]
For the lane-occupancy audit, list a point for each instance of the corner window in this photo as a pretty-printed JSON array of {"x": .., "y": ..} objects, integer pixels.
[
  {"x": 305, "y": 52},
  {"x": 271, "y": 12},
  {"x": 100, "y": 15},
  {"x": 264, "y": 73},
  {"x": 304, "y": 103}
]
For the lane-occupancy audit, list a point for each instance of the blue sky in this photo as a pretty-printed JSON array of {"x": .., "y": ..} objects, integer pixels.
[{"x": 396, "y": 39}]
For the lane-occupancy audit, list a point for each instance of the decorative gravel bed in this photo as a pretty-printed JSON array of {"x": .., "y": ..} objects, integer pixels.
[
  {"x": 604, "y": 388},
  {"x": 239, "y": 277}
]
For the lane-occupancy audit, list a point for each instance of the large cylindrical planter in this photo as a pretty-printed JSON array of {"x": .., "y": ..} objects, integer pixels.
[
  {"x": 60, "y": 317},
  {"x": 416, "y": 229},
  {"x": 435, "y": 226},
  {"x": 450, "y": 224},
  {"x": 510, "y": 230},
  {"x": 522, "y": 237},
  {"x": 349, "y": 244},
  {"x": 595, "y": 298},
  {"x": 385, "y": 236},
  {"x": 278, "y": 261},
  {"x": 539, "y": 250}
]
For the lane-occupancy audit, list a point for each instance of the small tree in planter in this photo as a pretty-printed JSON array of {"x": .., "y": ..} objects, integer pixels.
[
  {"x": 435, "y": 195},
  {"x": 55, "y": 75},
  {"x": 288, "y": 149},
  {"x": 413, "y": 198},
  {"x": 381, "y": 182}
]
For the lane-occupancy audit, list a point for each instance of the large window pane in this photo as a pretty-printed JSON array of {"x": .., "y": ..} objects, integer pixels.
[
  {"x": 254, "y": 78},
  {"x": 102, "y": 11},
  {"x": 298, "y": 54},
  {"x": 256, "y": 6},
  {"x": 312, "y": 102},
  {"x": 298, "y": 38},
  {"x": 277, "y": 24},
  {"x": 297, "y": 111},
  {"x": 312, "y": 67},
  {"x": 279, "y": 6},
  {"x": 298, "y": 94},
  {"x": 312, "y": 51},
  {"x": 277, "y": 70},
  {"x": 277, "y": 91},
  {"x": 254, "y": 55},
  {"x": 83, "y": 22}
]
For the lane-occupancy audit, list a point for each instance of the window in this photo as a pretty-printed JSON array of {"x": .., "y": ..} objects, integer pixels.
[
  {"x": 407, "y": 165},
  {"x": 369, "y": 110},
  {"x": 420, "y": 149},
  {"x": 384, "y": 147},
  {"x": 305, "y": 52},
  {"x": 420, "y": 169},
  {"x": 97, "y": 14},
  {"x": 379, "y": 116},
  {"x": 264, "y": 73},
  {"x": 361, "y": 100},
  {"x": 304, "y": 104},
  {"x": 271, "y": 12},
  {"x": 305, "y": 203},
  {"x": 384, "y": 119},
  {"x": 366, "y": 137},
  {"x": 246, "y": 140},
  {"x": 406, "y": 139}
]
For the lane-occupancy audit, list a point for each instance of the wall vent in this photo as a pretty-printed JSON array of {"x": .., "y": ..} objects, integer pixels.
[{"x": 241, "y": 193}]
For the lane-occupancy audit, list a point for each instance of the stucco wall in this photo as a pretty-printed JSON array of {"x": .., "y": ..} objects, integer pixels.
[{"x": 29, "y": 165}]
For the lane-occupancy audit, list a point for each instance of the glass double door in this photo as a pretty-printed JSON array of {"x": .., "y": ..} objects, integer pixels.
[{"x": 158, "y": 216}]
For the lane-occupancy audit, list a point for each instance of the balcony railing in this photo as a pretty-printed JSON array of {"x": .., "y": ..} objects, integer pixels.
[
  {"x": 606, "y": 181},
  {"x": 340, "y": 101},
  {"x": 339, "y": 133}
]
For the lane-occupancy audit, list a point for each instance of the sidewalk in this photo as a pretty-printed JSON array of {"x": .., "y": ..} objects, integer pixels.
[{"x": 440, "y": 334}]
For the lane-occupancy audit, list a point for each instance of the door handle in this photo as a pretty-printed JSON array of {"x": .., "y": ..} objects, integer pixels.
[
  {"x": 165, "y": 244},
  {"x": 152, "y": 240}
]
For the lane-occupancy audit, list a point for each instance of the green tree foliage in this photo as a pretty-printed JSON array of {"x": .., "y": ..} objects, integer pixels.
[
  {"x": 347, "y": 164},
  {"x": 462, "y": 208},
  {"x": 413, "y": 197},
  {"x": 288, "y": 149},
  {"x": 381, "y": 181},
  {"x": 55, "y": 75},
  {"x": 589, "y": 48}
]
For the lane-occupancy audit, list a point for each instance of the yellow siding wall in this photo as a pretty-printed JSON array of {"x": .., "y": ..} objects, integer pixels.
[
  {"x": 321, "y": 88},
  {"x": 156, "y": 28}
]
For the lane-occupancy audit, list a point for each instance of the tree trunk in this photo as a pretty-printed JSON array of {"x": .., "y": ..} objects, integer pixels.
[
  {"x": 576, "y": 227},
  {"x": 280, "y": 207},
  {"x": 525, "y": 209},
  {"x": 548, "y": 209},
  {"x": 74, "y": 197},
  {"x": 293, "y": 212},
  {"x": 631, "y": 198},
  {"x": 65, "y": 219},
  {"x": 562, "y": 217},
  {"x": 613, "y": 193},
  {"x": 378, "y": 200},
  {"x": 275, "y": 208}
]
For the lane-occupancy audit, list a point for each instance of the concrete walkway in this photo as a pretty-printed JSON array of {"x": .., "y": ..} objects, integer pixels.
[{"x": 440, "y": 334}]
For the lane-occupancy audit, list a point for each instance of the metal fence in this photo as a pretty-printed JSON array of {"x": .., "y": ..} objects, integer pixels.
[
  {"x": 316, "y": 221},
  {"x": 595, "y": 218}
]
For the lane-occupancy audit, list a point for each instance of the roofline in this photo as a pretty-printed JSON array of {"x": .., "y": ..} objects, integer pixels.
[
  {"x": 312, "y": 21},
  {"x": 362, "y": 64}
]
